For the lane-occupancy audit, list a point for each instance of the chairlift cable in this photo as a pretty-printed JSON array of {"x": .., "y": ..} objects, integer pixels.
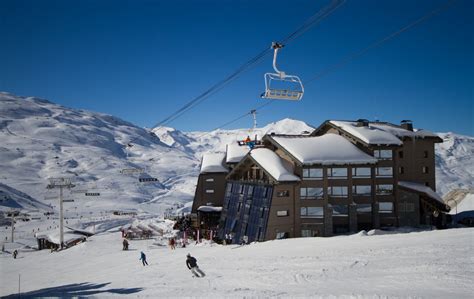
[
  {"x": 355, "y": 55},
  {"x": 313, "y": 20}
]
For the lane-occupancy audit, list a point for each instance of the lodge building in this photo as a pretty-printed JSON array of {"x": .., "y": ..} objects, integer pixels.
[{"x": 343, "y": 177}]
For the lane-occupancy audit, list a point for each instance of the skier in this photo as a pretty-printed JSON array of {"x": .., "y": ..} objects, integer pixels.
[
  {"x": 15, "y": 253},
  {"x": 192, "y": 265},
  {"x": 143, "y": 258},
  {"x": 125, "y": 244}
]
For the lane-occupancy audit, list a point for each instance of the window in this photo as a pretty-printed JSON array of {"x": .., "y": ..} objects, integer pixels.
[
  {"x": 282, "y": 213},
  {"x": 400, "y": 154},
  {"x": 364, "y": 208},
  {"x": 210, "y": 180},
  {"x": 384, "y": 172},
  {"x": 241, "y": 190},
  {"x": 250, "y": 191},
  {"x": 312, "y": 212},
  {"x": 209, "y": 190},
  {"x": 340, "y": 210},
  {"x": 425, "y": 154},
  {"x": 425, "y": 169},
  {"x": 383, "y": 154},
  {"x": 307, "y": 233},
  {"x": 385, "y": 207},
  {"x": 361, "y": 172},
  {"x": 283, "y": 193},
  {"x": 282, "y": 235},
  {"x": 407, "y": 207},
  {"x": 337, "y": 173},
  {"x": 337, "y": 191},
  {"x": 401, "y": 170},
  {"x": 384, "y": 189},
  {"x": 311, "y": 193},
  {"x": 313, "y": 173},
  {"x": 228, "y": 190},
  {"x": 362, "y": 190}
]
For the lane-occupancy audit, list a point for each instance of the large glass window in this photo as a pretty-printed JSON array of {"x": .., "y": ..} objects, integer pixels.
[
  {"x": 362, "y": 190},
  {"x": 385, "y": 207},
  {"x": 313, "y": 173},
  {"x": 311, "y": 193},
  {"x": 340, "y": 210},
  {"x": 384, "y": 172},
  {"x": 337, "y": 191},
  {"x": 382, "y": 189},
  {"x": 312, "y": 212},
  {"x": 364, "y": 208},
  {"x": 337, "y": 173},
  {"x": 383, "y": 154},
  {"x": 361, "y": 172}
]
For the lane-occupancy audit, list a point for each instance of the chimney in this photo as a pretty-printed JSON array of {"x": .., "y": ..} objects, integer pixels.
[
  {"x": 362, "y": 122},
  {"x": 407, "y": 124}
]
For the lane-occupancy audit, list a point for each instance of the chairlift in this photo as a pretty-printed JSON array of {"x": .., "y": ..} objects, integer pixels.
[
  {"x": 279, "y": 85},
  {"x": 147, "y": 180}
]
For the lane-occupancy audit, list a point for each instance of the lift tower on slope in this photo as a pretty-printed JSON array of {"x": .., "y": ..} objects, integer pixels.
[{"x": 60, "y": 183}]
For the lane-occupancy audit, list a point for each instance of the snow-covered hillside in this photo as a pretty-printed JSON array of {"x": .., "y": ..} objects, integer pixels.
[
  {"x": 454, "y": 162},
  {"x": 426, "y": 264},
  {"x": 42, "y": 140}
]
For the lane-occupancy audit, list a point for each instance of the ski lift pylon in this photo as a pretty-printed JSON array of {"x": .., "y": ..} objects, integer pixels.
[{"x": 279, "y": 85}]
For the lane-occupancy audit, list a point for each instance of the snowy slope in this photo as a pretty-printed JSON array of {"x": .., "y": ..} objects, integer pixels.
[
  {"x": 427, "y": 264},
  {"x": 42, "y": 140},
  {"x": 202, "y": 142},
  {"x": 454, "y": 163}
]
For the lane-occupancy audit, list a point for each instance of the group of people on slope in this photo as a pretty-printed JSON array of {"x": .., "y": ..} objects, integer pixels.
[{"x": 191, "y": 263}]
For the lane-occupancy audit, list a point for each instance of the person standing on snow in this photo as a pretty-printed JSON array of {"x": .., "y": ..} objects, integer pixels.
[
  {"x": 143, "y": 258},
  {"x": 192, "y": 265}
]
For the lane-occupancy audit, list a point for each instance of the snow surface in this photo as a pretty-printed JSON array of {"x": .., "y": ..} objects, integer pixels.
[
  {"x": 370, "y": 134},
  {"x": 280, "y": 169},
  {"x": 213, "y": 162},
  {"x": 235, "y": 152},
  {"x": 421, "y": 188},
  {"x": 375, "y": 264},
  {"x": 328, "y": 149}
]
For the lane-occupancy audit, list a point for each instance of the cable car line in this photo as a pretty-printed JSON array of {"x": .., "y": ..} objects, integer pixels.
[
  {"x": 313, "y": 20},
  {"x": 357, "y": 54}
]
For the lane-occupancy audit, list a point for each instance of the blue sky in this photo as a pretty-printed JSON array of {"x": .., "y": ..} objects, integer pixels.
[{"x": 142, "y": 60}]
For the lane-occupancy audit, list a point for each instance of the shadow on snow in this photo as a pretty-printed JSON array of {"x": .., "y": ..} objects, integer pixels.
[{"x": 76, "y": 289}]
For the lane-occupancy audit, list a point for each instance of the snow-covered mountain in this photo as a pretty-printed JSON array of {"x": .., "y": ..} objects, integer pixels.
[
  {"x": 198, "y": 143},
  {"x": 454, "y": 163},
  {"x": 42, "y": 140}
]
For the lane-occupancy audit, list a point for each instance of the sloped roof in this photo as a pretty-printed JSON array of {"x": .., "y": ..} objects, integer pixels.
[
  {"x": 426, "y": 191},
  {"x": 380, "y": 132},
  {"x": 328, "y": 149},
  {"x": 235, "y": 152},
  {"x": 277, "y": 167},
  {"x": 213, "y": 163}
]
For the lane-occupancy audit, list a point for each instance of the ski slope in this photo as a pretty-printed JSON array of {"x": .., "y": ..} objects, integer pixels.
[{"x": 425, "y": 264}]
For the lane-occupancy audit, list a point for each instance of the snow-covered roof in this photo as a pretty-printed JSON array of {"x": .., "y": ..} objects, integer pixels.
[
  {"x": 54, "y": 237},
  {"x": 328, "y": 149},
  {"x": 380, "y": 133},
  {"x": 213, "y": 163},
  {"x": 278, "y": 168},
  {"x": 235, "y": 152},
  {"x": 422, "y": 189},
  {"x": 370, "y": 134},
  {"x": 209, "y": 209}
]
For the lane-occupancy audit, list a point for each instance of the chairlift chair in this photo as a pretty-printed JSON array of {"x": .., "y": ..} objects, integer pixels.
[{"x": 279, "y": 85}]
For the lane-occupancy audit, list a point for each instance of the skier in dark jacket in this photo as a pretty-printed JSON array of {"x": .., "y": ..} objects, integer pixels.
[
  {"x": 143, "y": 258},
  {"x": 192, "y": 265}
]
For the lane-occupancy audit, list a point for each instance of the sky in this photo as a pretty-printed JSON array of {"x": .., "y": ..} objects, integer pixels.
[{"x": 143, "y": 60}]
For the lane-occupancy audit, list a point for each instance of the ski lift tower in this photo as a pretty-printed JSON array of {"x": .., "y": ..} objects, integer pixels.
[
  {"x": 60, "y": 183},
  {"x": 254, "y": 115}
]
